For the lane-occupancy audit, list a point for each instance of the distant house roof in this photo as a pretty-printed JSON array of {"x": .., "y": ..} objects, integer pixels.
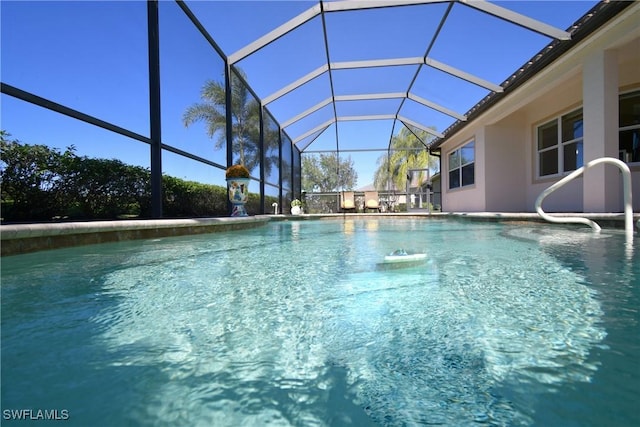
[
  {"x": 368, "y": 187},
  {"x": 414, "y": 184}
]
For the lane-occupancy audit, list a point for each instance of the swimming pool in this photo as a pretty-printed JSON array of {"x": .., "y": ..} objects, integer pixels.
[{"x": 294, "y": 323}]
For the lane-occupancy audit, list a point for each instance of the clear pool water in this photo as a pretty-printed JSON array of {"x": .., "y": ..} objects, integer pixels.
[{"x": 294, "y": 324}]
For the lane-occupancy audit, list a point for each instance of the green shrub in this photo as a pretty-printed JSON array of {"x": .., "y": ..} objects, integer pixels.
[
  {"x": 192, "y": 199},
  {"x": 40, "y": 183},
  {"x": 31, "y": 180},
  {"x": 99, "y": 188}
]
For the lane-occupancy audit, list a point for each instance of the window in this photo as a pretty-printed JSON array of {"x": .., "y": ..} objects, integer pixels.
[
  {"x": 462, "y": 166},
  {"x": 629, "y": 144},
  {"x": 560, "y": 144}
]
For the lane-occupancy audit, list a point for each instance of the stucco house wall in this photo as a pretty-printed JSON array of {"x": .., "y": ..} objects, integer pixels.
[
  {"x": 469, "y": 198},
  {"x": 590, "y": 76},
  {"x": 561, "y": 99},
  {"x": 505, "y": 156},
  {"x": 629, "y": 79}
]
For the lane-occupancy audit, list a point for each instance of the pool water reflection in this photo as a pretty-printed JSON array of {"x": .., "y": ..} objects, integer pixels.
[{"x": 293, "y": 324}]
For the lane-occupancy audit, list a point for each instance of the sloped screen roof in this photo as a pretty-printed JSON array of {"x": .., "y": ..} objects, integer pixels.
[{"x": 342, "y": 75}]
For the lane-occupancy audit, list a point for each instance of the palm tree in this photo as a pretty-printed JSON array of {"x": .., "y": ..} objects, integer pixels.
[
  {"x": 407, "y": 152},
  {"x": 211, "y": 111},
  {"x": 245, "y": 112}
]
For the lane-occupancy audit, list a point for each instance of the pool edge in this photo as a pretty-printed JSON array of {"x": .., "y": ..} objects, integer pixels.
[{"x": 25, "y": 238}]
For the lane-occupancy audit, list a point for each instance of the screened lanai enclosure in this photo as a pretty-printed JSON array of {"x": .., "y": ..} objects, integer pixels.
[{"x": 313, "y": 97}]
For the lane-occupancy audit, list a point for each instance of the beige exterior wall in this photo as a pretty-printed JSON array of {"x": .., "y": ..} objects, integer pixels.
[
  {"x": 505, "y": 149},
  {"x": 563, "y": 99},
  {"x": 595, "y": 72},
  {"x": 470, "y": 198}
]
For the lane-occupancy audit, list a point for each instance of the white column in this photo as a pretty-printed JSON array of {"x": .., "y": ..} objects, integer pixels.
[{"x": 600, "y": 114}]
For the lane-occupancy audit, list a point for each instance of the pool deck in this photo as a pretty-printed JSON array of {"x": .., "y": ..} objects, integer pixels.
[{"x": 24, "y": 238}]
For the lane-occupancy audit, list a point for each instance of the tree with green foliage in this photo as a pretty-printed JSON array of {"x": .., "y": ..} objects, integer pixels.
[
  {"x": 327, "y": 172},
  {"x": 30, "y": 175},
  {"x": 43, "y": 183},
  {"x": 407, "y": 152},
  {"x": 245, "y": 112}
]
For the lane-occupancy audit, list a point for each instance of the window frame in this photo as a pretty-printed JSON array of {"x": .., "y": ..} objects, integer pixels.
[
  {"x": 460, "y": 167},
  {"x": 623, "y": 154},
  {"x": 560, "y": 144}
]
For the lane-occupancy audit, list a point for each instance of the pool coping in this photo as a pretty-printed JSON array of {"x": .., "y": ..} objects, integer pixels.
[
  {"x": 24, "y": 238},
  {"x": 605, "y": 220}
]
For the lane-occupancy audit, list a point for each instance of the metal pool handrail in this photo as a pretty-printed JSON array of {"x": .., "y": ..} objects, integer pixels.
[{"x": 626, "y": 182}]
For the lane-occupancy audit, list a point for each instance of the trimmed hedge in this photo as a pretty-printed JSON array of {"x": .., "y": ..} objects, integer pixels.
[{"x": 41, "y": 183}]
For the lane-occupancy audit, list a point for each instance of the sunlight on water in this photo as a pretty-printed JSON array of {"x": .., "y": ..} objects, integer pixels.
[
  {"x": 294, "y": 325},
  {"x": 426, "y": 344}
]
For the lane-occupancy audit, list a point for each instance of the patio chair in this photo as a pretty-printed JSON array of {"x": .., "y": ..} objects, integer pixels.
[
  {"x": 347, "y": 201},
  {"x": 371, "y": 200}
]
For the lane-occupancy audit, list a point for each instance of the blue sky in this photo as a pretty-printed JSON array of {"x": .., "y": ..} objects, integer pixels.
[{"x": 91, "y": 56}]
